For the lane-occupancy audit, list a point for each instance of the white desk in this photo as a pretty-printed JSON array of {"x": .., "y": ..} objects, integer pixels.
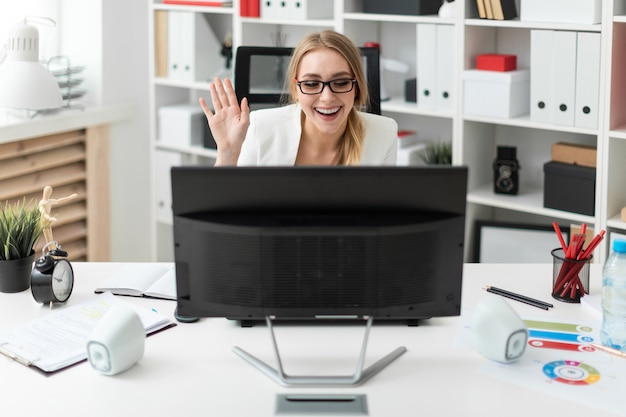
[{"x": 190, "y": 370}]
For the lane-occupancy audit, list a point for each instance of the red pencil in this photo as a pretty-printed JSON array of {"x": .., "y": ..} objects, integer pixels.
[{"x": 557, "y": 229}]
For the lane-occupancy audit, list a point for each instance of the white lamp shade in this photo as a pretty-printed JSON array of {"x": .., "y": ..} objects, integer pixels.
[
  {"x": 28, "y": 85},
  {"x": 24, "y": 82}
]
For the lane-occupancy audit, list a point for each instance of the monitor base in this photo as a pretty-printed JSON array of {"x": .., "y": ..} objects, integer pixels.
[{"x": 359, "y": 377}]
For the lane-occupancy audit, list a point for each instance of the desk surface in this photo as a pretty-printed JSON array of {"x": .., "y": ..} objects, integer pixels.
[{"x": 191, "y": 370}]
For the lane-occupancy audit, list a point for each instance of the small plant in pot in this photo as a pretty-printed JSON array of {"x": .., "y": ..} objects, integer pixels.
[
  {"x": 437, "y": 153},
  {"x": 20, "y": 227}
]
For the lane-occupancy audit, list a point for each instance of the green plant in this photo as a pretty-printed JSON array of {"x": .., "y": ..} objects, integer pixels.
[
  {"x": 20, "y": 228},
  {"x": 437, "y": 153}
]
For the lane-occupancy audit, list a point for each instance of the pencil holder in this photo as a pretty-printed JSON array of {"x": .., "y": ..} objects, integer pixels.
[{"x": 570, "y": 277}]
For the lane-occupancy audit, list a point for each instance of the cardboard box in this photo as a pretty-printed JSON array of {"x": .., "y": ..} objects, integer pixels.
[
  {"x": 182, "y": 125},
  {"x": 569, "y": 187},
  {"x": 496, "y": 93},
  {"x": 405, "y": 7},
  {"x": 561, "y": 11},
  {"x": 572, "y": 153},
  {"x": 496, "y": 62}
]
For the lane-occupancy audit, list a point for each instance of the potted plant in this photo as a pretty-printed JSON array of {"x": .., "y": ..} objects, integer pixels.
[
  {"x": 437, "y": 153},
  {"x": 20, "y": 227}
]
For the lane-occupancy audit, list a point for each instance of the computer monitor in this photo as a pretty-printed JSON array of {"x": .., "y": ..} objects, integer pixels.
[
  {"x": 319, "y": 242},
  {"x": 260, "y": 75}
]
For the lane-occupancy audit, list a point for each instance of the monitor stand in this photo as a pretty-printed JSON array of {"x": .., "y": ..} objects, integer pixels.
[{"x": 359, "y": 377}]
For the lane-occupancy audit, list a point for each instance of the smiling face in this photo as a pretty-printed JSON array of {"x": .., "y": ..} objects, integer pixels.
[{"x": 326, "y": 113}]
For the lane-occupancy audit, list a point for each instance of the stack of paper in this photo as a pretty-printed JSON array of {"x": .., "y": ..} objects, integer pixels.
[{"x": 59, "y": 339}]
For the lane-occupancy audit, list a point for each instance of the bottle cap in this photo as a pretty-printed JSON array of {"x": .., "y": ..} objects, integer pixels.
[{"x": 619, "y": 245}]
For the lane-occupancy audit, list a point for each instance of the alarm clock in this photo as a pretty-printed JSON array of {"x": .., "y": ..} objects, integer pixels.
[{"x": 52, "y": 278}]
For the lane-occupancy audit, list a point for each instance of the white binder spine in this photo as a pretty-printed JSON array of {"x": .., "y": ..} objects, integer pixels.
[
  {"x": 587, "y": 80},
  {"x": 541, "y": 101},
  {"x": 444, "y": 70},
  {"x": 426, "y": 65},
  {"x": 564, "y": 77},
  {"x": 194, "y": 50}
]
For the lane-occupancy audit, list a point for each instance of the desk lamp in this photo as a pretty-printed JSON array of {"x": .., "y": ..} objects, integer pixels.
[{"x": 24, "y": 82}]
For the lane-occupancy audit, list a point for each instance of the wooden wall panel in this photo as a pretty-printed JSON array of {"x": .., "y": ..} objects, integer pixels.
[{"x": 71, "y": 162}]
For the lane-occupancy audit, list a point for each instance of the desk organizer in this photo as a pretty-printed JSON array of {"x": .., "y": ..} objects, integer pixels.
[{"x": 69, "y": 79}]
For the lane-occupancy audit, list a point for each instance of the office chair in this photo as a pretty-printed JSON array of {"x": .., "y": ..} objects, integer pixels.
[{"x": 260, "y": 71}]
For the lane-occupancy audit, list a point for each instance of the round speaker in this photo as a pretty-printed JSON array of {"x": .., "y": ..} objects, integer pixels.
[{"x": 117, "y": 341}]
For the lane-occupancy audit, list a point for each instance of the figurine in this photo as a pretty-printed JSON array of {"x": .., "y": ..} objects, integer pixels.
[{"x": 45, "y": 207}]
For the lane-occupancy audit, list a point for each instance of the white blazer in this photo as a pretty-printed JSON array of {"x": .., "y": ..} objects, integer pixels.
[{"x": 274, "y": 134}]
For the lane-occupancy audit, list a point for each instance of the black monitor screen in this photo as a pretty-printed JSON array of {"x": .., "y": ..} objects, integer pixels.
[
  {"x": 260, "y": 75},
  {"x": 319, "y": 242}
]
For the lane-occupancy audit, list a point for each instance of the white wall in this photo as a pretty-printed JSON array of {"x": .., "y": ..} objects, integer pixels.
[
  {"x": 125, "y": 77},
  {"x": 115, "y": 40}
]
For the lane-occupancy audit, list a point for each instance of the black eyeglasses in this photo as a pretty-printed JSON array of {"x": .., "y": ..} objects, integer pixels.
[{"x": 340, "y": 85}]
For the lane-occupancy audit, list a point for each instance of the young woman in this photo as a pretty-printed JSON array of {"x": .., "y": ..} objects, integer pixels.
[{"x": 322, "y": 125}]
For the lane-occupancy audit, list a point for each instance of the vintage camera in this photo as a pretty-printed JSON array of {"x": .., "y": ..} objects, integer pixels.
[{"x": 505, "y": 171}]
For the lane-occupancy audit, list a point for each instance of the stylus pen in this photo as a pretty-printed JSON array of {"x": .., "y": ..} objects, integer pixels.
[
  {"x": 610, "y": 350},
  {"x": 521, "y": 298}
]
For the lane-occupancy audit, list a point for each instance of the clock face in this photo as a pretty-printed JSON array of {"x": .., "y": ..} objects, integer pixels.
[{"x": 62, "y": 280}]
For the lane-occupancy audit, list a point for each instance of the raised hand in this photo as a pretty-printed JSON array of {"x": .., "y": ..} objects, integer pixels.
[{"x": 228, "y": 122}]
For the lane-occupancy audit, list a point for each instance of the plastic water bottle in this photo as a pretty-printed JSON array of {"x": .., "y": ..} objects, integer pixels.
[{"x": 613, "y": 332}]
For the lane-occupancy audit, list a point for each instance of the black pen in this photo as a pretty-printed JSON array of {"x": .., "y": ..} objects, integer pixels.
[{"x": 518, "y": 297}]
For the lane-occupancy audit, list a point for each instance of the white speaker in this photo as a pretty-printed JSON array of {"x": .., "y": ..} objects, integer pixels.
[
  {"x": 117, "y": 341},
  {"x": 498, "y": 332}
]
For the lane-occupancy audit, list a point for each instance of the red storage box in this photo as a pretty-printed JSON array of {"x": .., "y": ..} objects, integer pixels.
[{"x": 496, "y": 62}]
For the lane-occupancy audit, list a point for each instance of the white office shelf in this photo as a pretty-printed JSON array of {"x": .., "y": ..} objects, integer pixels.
[
  {"x": 194, "y": 9},
  {"x": 399, "y": 105},
  {"x": 524, "y": 121},
  {"x": 371, "y": 17},
  {"x": 192, "y": 85},
  {"x": 312, "y": 22},
  {"x": 517, "y": 24},
  {"x": 474, "y": 138},
  {"x": 619, "y": 133},
  {"x": 616, "y": 223},
  {"x": 529, "y": 200},
  {"x": 188, "y": 150}
]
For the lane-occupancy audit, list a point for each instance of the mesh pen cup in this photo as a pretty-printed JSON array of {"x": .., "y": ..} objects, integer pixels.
[{"x": 570, "y": 277}]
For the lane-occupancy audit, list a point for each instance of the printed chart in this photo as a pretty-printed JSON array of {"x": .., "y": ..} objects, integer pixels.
[
  {"x": 571, "y": 372},
  {"x": 560, "y": 336},
  {"x": 560, "y": 361}
]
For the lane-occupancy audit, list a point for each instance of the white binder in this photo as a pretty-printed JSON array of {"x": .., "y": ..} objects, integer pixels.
[
  {"x": 426, "y": 65},
  {"x": 541, "y": 101},
  {"x": 194, "y": 50},
  {"x": 274, "y": 9},
  {"x": 308, "y": 9},
  {"x": 587, "y": 80},
  {"x": 444, "y": 70},
  {"x": 564, "y": 77}
]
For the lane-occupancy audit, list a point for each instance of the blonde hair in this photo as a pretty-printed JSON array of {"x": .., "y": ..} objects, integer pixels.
[{"x": 351, "y": 144}]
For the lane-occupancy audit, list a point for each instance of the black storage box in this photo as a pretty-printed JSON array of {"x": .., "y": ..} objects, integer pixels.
[
  {"x": 410, "y": 90},
  {"x": 569, "y": 187},
  {"x": 410, "y": 7}
]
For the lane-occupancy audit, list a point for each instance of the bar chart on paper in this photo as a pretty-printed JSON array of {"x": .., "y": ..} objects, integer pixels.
[{"x": 563, "y": 336}]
